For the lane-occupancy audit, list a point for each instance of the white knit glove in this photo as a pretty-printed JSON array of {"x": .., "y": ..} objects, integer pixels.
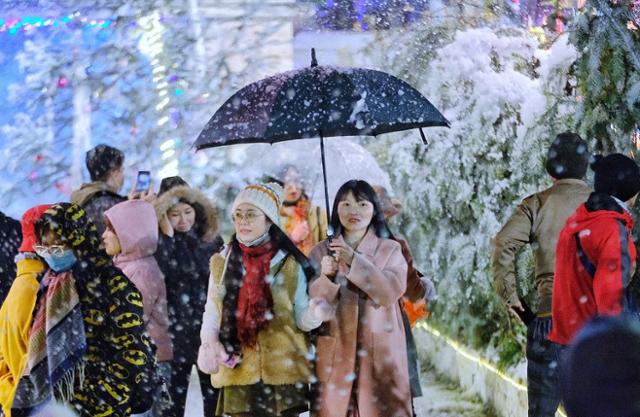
[{"x": 209, "y": 355}]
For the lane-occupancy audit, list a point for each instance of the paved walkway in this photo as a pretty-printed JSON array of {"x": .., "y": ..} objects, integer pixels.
[
  {"x": 441, "y": 399},
  {"x": 445, "y": 399}
]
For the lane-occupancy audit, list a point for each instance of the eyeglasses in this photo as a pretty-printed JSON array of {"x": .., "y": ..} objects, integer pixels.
[
  {"x": 249, "y": 217},
  {"x": 55, "y": 250}
]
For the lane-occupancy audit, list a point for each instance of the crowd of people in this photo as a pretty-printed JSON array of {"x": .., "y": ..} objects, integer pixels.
[
  {"x": 113, "y": 300},
  {"x": 585, "y": 258}
]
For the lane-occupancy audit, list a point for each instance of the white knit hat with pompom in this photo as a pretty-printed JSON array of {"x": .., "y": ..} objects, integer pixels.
[{"x": 267, "y": 197}]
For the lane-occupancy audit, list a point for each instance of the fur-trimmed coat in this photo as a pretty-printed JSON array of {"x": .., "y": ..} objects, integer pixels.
[{"x": 184, "y": 261}]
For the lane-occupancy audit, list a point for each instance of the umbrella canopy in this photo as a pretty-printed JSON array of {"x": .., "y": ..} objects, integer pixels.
[
  {"x": 319, "y": 101},
  {"x": 346, "y": 160}
]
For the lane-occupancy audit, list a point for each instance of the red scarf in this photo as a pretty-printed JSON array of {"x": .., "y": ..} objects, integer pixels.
[{"x": 255, "y": 302}]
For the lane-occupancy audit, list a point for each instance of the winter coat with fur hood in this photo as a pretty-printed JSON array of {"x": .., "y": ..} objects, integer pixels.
[{"x": 184, "y": 261}]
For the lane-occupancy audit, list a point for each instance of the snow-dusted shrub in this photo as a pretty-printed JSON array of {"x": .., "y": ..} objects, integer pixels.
[{"x": 506, "y": 99}]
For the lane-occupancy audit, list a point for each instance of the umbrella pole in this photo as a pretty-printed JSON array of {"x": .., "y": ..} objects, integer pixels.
[
  {"x": 424, "y": 138},
  {"x": 326, "y": 189}
]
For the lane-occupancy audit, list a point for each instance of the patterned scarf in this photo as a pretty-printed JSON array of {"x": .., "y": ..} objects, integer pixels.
[
  {"x": 57, "y": 345},
  {"x": 255, "y": 301}
]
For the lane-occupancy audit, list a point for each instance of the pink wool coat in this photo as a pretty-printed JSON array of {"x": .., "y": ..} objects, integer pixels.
[{"x": 368, "y": 329}]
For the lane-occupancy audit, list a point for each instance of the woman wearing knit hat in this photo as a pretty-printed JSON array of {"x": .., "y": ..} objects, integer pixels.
[
  {"x": 362, "y": 355},
  {"x": 258, "y": 310},
  {"x": 595, "y": 252}
]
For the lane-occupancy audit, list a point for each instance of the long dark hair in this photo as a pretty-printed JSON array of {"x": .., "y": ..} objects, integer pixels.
[
  {"x": 233, "y": 278},
  {"x": 362, "y": 191}
]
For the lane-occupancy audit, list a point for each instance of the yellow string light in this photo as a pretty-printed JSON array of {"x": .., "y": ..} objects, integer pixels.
[
  {"x": 460, "y": 349},
  {"x": 152, "y": 44}
]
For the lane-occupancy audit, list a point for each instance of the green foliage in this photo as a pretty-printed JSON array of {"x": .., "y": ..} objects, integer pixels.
[
  {"x": 506, "y": 99},
  {"x": 608, "y": 73}
]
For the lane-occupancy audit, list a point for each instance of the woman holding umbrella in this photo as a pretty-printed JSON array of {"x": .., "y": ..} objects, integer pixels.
[
  {"x": 257, "y": 313},
  {"x": 362, "y": 350}
]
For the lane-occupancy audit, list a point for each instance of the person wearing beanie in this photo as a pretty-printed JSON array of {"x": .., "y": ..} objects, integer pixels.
[
  {"x": 595, "y": 252},
  {"x": 106, "y": 170},
  {"x": 305, "y": 224},
  {"x": 188, "y": 224},
  {"x": 253, "y": 336},
  {"x": 362, "y": 365},
  {"x": 9, "y": 242},
  {"x": 17, "y": 310},
  {"x": 601, "y": 377},
  {"x": 537, "y": 221}
]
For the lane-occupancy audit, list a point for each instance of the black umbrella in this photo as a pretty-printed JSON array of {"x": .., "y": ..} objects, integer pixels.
[{"x": 319, "y": 101}]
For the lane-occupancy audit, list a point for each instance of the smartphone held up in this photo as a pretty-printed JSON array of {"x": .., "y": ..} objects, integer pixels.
[{"x": 143, "y": 182}]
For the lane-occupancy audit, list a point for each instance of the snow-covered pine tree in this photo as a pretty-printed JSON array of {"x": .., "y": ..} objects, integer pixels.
[
  {"x": 506, "y": 100},
  {"x": 606, "y": 34}
]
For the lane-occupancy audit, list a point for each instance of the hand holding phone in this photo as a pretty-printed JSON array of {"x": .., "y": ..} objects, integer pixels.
[
  {"x": 142, "y": 188},
  {"x": 143, "y": 181},
  {"x": 231, "y": 361}
]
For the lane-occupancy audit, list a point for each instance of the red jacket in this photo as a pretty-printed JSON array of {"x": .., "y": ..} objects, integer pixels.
[{"x": 595, "y": 259}]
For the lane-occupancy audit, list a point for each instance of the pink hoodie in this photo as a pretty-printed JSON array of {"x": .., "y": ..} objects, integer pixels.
[{"x": 136, "y": 225}]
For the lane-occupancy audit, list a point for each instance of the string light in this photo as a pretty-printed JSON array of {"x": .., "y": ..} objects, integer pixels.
[
  {"x": 30, "y": 23},
  {"x": 152, "y": 45},
  {"x": 462, "y": 351}
]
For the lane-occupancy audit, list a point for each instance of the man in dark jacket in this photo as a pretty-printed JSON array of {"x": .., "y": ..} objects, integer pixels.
[
  {"x": 10, "y": 238},
  {"x": 595, "y": 254},
  {"x": 106, "y": 168},
  {"x": 537, "y": 221}
]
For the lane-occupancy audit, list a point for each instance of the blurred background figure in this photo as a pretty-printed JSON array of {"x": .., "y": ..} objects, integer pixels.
[
  {"x": 601, "y": 370},
  {"x": 419, "y": 291},
  {"x": 106, "y": 169},
  {"x": 10, "y": 239},
  {"x": 305, "y": 223}
]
